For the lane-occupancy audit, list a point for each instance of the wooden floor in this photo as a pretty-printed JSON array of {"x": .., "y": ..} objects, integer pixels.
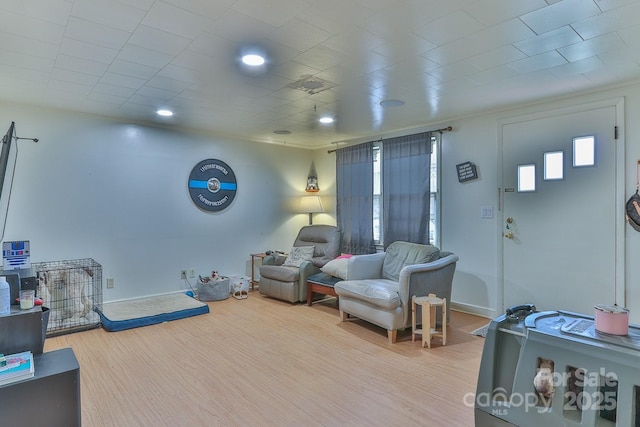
[{"x": 263, "y": 362}]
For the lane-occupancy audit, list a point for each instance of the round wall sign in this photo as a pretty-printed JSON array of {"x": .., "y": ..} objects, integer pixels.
[{"x": 212, "y": 185}]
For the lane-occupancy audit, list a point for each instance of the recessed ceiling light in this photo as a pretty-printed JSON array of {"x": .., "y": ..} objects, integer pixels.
[
  {"x": 253, "y": 60},
  {"x": 282, "y": 132},
  {"x": 326, "y": 120},
  {"x": 164, "y": 113},
  {"x": 392, "y": 103}
]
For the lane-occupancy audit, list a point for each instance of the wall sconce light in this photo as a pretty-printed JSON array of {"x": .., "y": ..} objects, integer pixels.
[{"x": 310, "y": 205}]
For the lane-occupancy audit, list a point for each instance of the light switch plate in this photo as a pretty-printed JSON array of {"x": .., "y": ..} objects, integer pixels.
[{"x": 486, "y": 212}]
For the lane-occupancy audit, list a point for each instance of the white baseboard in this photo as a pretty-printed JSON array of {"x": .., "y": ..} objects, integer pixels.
[{"x": 474, "y": 309}]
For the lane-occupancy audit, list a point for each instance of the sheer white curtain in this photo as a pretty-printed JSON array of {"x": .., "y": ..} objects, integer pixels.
[
  {"x": 354, "y": 182},
  {"x": 406, "y": 163}
]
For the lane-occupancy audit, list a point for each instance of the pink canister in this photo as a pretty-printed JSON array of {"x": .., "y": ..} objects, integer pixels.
[{"x": 611, "y": 319}]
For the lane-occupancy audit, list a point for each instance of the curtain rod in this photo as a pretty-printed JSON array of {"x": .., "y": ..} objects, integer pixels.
[{"x": 447, "y": 129}]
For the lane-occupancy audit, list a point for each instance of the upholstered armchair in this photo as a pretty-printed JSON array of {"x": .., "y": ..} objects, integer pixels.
[
  {"x": 289, "y": 282},
  {"x": 379, "y": 286}
]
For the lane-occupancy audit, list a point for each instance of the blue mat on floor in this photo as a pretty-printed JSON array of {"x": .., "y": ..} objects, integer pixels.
[{"x": 121, "y": 315}]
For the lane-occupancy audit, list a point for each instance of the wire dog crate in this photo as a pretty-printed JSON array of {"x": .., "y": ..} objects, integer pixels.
[{"x": 72, "y": 290}]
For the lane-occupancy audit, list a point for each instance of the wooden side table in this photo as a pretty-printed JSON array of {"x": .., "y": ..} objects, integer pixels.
[
  {"x": 429, "y": 330},
  {"x": 260, "y": 255}
]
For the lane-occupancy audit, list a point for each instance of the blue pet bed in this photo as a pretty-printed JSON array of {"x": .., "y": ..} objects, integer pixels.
[{"x": 121, "y": 315}]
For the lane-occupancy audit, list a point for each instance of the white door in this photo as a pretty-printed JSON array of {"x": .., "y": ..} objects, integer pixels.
[{"x": 559, "y": 240}]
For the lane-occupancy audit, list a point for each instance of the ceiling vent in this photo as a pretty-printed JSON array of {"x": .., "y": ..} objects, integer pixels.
[{"x": 311, "y": 84}]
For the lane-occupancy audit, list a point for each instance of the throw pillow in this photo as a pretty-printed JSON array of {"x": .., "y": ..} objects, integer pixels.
[
  {"x": 298, "y": 255},
  {"x": 337, "y": 268}
]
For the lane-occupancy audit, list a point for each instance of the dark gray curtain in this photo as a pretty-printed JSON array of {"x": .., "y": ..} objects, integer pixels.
[
  {"x": 406, "y": 163},
  {"x": 354, "y": 176}
]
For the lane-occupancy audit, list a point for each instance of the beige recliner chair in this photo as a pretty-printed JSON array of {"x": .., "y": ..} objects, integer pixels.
[
  {"x": 379, "y": 286},
  {"x": 290, "y": 283}
]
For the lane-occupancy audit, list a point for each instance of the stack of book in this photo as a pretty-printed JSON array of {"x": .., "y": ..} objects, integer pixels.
[{"x": 16, "y": 367}]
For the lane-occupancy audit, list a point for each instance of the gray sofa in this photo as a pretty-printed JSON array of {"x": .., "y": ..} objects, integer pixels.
[
  {"x": 379, "y": 286},
  {"x": 290, "y": 283}
]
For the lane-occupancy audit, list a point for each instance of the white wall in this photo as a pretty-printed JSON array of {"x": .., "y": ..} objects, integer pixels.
[
  {"x": 117, "y": 193},
  {"x": 477, "y": 240}
]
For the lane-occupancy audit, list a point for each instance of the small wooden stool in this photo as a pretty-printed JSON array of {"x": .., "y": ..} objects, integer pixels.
[{"x": 429, "y": 318}]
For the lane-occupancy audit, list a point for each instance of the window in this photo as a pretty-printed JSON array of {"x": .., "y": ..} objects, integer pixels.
[
  {"x": 377, "y": 195},
  {"x": 526, "y": 178},
  {"x": 434, "y": 205},
  {"x": 584, "y": 151},
  {"x": 553, "y": 165}
]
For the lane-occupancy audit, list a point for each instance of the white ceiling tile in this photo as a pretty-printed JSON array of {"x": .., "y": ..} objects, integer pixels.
[
  {"x": 207, "y": 8},
  {"x": 122, "y": 80},
  {"x": 162, "y": 82},
  {"x": 354, "y": 41},
  {"x": 403, "y": 45},
  {"x": 581, "y": 66},
  {"x": 27, "y": 61},
  {"x": 493, "y": 75},
  {"x": 11, "y": 72},
  {"x": 56, "y": 11},
  {"x": 159, "y": 41},
  {"x": 105, "y": 98},
  {"x": 320, "y": 58},
  {"x": 617, "y": 69},
  {"x": 110, "y": 13},
  {"x": 20, "y": 44},
  {"x": 451, "y": 27},
  {"x": 72, "y": 63},
  {"x": 236, "y": 26},
  {"x": 613, "y": 4},
  {"x": 299, "y": 35},
  {"x": 89, "y": 51},
  {"x": 211, "y": 45},
  {"x": 496, "y": 11},
  {"x": 451, "y": 52},
  {"x": 94, "y": 33},
  {"x": 591, "y": 47},
  {"x": 273, "y": 13},
  {"x": 140, "y": 55},
  {"x": 154, "y": 92},
  {"x": 70, "y": 88},
  {"x": 538, "y": 62},
  {"x": 74, "y": 77},
  {"x": 174, "y": 72},
  {"x": 145, "y": 100},
  {"x": 496, "y": 57},
  {"x": 502, "y": 34},
  {"x": 560, "y": 14},
  {"x": 139, "y": 4},
  {"x": 453, "y": 72},
  {"x": 132, "y": 69},
  {"x": 609, "y": 21},
  {"x": 174, "y": 20},
  {"x": 119, "y": 91},
  {"x": 550, "y": 40},
  {"x": 30, "y": 27},
  {"x": 322, "y": 14}
]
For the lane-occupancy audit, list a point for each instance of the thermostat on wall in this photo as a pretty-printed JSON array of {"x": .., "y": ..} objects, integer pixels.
[{"x": 16, "y": 255}]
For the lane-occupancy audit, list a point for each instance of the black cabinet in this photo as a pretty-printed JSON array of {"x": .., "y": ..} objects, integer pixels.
[{"x": 51, "y": 397}]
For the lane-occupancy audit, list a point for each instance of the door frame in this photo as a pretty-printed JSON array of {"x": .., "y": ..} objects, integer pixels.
[{"x": 619, "y": 271}]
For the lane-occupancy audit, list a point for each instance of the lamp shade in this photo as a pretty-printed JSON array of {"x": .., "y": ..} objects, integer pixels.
[{"x": 310, "y": 204}]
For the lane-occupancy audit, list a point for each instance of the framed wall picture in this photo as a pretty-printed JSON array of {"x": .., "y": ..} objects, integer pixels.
[{"x": 466, "y": 172}]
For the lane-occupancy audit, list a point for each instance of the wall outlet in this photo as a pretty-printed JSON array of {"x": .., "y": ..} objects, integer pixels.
[
  {"x": 110, "y": 283},
  {"x": 183, "y": 274},
  {"x": 192, "y": 273}
]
